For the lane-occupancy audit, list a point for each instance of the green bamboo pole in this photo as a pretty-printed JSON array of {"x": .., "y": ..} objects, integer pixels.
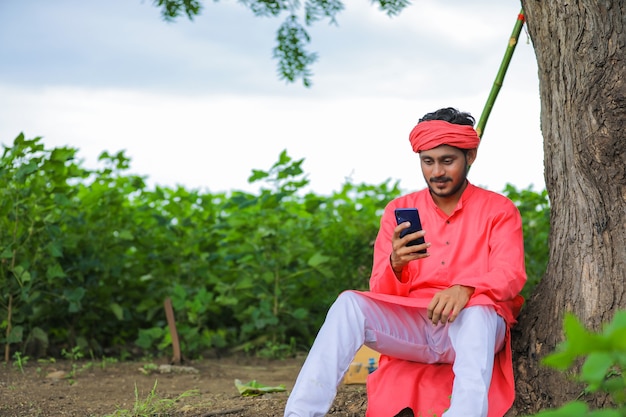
[{"x": 495, "y": 89}]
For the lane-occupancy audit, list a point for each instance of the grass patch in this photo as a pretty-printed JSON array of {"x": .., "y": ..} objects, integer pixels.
[{"x": 152, "y": 405}]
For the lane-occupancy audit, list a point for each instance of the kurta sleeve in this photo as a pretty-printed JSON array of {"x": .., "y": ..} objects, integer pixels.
[{"x": 383, "y": 280}]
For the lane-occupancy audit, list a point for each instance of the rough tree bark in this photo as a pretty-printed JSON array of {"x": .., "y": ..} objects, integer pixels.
[{"x": 581, "y": 56}]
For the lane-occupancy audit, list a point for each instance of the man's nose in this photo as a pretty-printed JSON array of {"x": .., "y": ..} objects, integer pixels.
[{"x": 438, "y": 170}]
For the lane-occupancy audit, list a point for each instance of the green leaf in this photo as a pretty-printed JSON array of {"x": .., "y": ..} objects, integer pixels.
[
  {"x": 25, "y": 170},
  {"x": 74, "y": 296},
  {"x": 62, "y": 154},
  {"x": 318, "y": 259},
  {"x": 22, "y": 275},
  {"x": 55, "y": 271},
  {"x": 125, "y": 235},
  {"x": 117, "y": 310},
  {"x": 595, "y": 368},
  {"x": 147, "y": 337},
  {"x": 300, "y": 314},
  {"x": 257, "y": 175},
  {"x": 40, "y": 335},
  {"x": 576, "y": 344},
  {"x": 618, "y": 339},
  {"x": 573, "y": 409},
  {"x": 16, "y": 334},
  {"x": 227, "y": 300},
  {"x": 55, "y": 249},
  {"x": 253, "y": 388},
  {"x": 618, "y": 322},
  {"x": 605, "y": 413},
  {"x": 60, "y": 200},
  {"x": 616, "y": 331},
  {"x": 248, "y": 282},
  {"x": 574, "y": 330}
]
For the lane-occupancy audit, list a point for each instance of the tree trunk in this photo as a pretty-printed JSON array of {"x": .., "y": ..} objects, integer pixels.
[{"x": 581, "y": 55}]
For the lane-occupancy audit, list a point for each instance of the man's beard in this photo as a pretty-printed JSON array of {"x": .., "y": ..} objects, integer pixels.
[{"x": 452, "y": 192}]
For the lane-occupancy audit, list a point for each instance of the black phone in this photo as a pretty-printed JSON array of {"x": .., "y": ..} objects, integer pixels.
[{"x": 410, "y": 215}]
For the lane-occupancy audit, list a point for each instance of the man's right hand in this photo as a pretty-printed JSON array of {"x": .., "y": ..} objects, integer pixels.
[{"x": 402, "y": 254}]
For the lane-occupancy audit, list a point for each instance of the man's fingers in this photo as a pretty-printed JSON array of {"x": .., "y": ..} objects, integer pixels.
[
  {"x": 435, "y": 318},
  {"x": 436, "y": 313},
  {"x": 451, "y": 316},
  {"x": 442, "y": 312},
  {"x": 431, "y": 307},
  {"x": 444, "y": 315}
]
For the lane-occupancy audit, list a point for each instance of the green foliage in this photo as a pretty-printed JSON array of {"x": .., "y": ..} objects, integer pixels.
[
  {"x": 393, "y": 7},
  {"x": 535, "y": 210},
  {"x": 20, "y": 361},
  {"x": 294, "y": 61},
  {"x": 89, "y": 256},
  {"x": 317, "y": 10},
  {"x": 73, "y": 354},
  {"x": 602, "y": 369},
  {"x": 35, "y": 202},
  {"x": 173, "y": 8}
]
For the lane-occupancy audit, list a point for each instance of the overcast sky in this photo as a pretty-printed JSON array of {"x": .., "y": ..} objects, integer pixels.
[{"x": 199, "y": 103}]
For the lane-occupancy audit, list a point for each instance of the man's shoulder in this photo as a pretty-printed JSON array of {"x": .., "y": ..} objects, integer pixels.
[
  {"x": 486, "y": 193},
  {"x": 486, "y": 196}
]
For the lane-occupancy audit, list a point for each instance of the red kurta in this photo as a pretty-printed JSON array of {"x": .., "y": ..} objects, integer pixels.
[{"x": 479, "y": 245}]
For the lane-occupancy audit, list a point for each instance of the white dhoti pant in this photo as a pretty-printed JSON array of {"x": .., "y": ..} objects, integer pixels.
[{"x": 469, "y": 343}]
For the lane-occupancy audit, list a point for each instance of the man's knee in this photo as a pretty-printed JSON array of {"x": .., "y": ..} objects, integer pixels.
[
  {"x": 477, "y": 319},
  {"x": 484, "y": 314},
  {"x": 346, "y": 305},
  {"x": 346, "y": 299}
]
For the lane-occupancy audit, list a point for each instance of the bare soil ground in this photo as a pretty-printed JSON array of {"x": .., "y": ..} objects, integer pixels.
[{"x": 97, "y": 389}]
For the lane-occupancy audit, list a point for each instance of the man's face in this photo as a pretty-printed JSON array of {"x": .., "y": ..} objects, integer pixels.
[{"x": 445, "y": 169}]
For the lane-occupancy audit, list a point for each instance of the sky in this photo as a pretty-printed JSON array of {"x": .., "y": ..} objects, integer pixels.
[{"x": 199, "y": 103}]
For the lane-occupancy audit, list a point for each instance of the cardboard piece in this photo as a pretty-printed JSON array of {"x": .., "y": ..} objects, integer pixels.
[{"x": 365, "y": 361}]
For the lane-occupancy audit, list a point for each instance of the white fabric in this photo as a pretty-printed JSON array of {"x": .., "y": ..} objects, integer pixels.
[{"x": 470, "y": 343}]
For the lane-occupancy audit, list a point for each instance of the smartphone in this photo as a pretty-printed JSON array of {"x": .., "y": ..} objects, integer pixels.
[{"x": 411, "y": 215}]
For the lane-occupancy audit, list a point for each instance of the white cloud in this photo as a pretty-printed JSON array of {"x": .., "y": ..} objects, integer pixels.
[{"x": 201, "y": 105}]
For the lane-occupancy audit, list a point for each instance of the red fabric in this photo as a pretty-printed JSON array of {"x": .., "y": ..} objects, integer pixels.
[
  {"x": 484, "y": 238},
  {"x": 398, "y": 384},
  {"x": 432, "y": 133}
]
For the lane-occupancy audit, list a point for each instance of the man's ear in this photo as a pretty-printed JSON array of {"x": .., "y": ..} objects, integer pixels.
[{"x": 471, "y": 156}]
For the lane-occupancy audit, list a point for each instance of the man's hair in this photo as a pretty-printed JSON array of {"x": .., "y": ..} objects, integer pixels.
[{"x": 450, "y": 115}]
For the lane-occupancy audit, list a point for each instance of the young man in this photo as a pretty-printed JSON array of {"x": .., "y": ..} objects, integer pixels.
[{"x": 440, "y": 319}]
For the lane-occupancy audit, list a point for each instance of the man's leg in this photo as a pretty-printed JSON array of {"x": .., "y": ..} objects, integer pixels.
[
  {"x": 476, "y": 335},
  {"x": 354, "y": 320},
  {"x": 336, "y": 344}
]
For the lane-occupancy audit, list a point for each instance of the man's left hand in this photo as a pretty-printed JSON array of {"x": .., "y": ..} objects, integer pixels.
[{"x": 447, "y": 304}]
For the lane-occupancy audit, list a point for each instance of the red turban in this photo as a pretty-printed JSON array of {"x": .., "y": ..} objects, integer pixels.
[{"x": 432, "y": 133}]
